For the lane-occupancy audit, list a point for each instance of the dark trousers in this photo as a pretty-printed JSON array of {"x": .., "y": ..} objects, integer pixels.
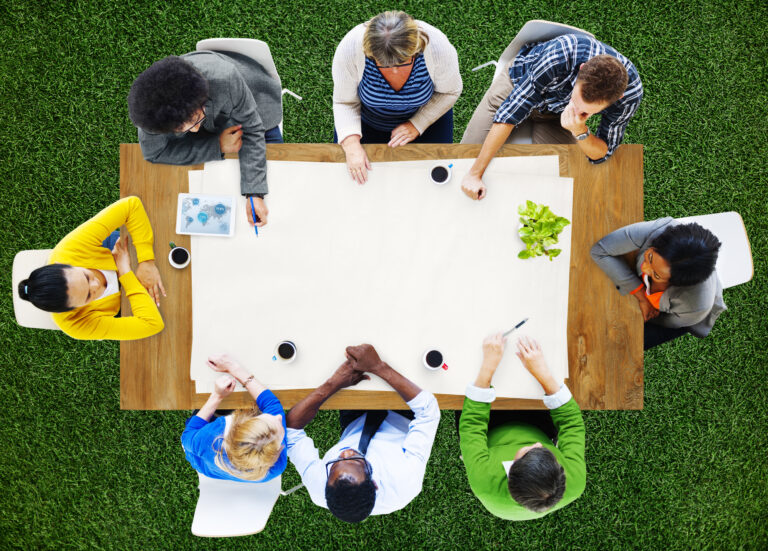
[
  {"x": 654, "y": 335},
  {"x": 540, "y": 419},
  {"x": 346, "y": 416},
  {"x": 440, "y": 131},
  {"x": 273, "y": 135},
  {"x": 109, "y": 242}
]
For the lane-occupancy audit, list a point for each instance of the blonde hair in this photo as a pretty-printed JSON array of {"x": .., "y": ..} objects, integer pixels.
[
  {"x": 393, "y": 37},
  {"x": 251, "y": 444}
]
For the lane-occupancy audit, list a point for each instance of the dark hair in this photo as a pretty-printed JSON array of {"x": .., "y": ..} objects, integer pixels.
[
  {"x": 166, "y": 95},
  {"x": 536, "y": 480},
  {"x": 46, "y": 288},
  {"x": 603, "y": 79},
  {"x": 351, "y": 502},
  {"x": 691, "y": 251}
]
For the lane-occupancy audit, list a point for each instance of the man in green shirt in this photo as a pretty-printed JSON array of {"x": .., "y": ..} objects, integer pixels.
[{"x": 517, "y": 470}]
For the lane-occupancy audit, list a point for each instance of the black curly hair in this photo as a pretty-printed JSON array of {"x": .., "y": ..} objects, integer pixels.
[
  {"x": 691, "y": 251},
  {"x": 536, "y": 480},
  {"x": 351, "y": 502},
  {"x": 166, "y": 95}
]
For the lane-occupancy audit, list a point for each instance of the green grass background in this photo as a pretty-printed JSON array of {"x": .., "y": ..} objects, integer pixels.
[{"x": 688, "y": 472}]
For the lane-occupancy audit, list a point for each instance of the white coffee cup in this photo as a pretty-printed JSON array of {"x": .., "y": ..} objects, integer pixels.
[
  {"x": 441, "y": 170},
  {"x": 434, "y": 360},
  {"x": 178, "y": 265},
  {"x": 286, "y": 347}
]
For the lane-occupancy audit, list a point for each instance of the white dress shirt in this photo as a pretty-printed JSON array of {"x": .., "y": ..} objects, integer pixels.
[{"x": 398, "y": 454}]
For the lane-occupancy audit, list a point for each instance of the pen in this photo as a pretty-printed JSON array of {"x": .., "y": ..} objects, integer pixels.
[
  {"x": 515, "y": 327},
  {"x": 255, "y": 218}
]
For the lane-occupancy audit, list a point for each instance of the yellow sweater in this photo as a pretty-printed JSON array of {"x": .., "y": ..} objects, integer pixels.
[{"x": 82, "y": 248}]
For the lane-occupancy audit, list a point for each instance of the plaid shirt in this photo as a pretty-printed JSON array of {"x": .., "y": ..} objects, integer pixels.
[{"x": 544, "y": 74}]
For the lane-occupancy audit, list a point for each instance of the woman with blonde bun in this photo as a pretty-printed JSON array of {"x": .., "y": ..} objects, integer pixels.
[
  {"x": 395, "y": 80},
  {"x": 246, "y": 446}
]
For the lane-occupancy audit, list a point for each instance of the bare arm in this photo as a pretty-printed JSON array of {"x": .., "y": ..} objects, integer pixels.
[
  {"x": 472, "y": 184},
  {"x": 364, "y": 359},
  {"x": 302, "y": 413}
]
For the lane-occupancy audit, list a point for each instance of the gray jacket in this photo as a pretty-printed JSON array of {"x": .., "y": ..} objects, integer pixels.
[
  {"x": 239, "y": 92},
  {"x": 695, "y": 307}
]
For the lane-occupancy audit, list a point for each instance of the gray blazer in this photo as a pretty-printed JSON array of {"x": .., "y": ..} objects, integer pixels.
[
  {"x": 695, "y": 307},
  {"x": 239, "y": 92}
]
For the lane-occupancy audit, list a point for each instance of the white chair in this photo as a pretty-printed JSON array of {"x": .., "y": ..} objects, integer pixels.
[
  {"x": 734, "y": 261},
  {"x": 27, "y": 315},
  {"x": 536, "y": 30},
  {"x": 227, "y": 508},
  {"x": 258, "y": 50}
]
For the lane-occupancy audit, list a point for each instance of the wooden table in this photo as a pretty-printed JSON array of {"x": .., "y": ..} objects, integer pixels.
[{"x": 605, "y": 331}]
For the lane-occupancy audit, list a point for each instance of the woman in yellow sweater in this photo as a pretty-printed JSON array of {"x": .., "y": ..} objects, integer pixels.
[{"x": 80, "y": 283}]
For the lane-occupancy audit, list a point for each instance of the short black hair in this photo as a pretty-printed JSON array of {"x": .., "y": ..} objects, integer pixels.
[
  {"x": 691, "y": 251},
  {"x": 351, "y": 502},
  {"x": 46, "y": 288},
  {"x": 536, "y": 480},
  {"x": 166, "y": 95}
]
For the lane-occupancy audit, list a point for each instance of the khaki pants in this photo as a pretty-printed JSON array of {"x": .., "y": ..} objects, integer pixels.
[{"x": 546, "y": 127}]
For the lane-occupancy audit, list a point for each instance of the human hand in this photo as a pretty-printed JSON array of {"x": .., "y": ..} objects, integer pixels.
[
  {"x": 473, "y": 186},
  {"x": 529, "y": 352},
  {"x": 224, "y": 386},
  {"x": 648, "y": 310},
  {"x": 149, "y": 276},
  {"x": 364, "y": 358},
  {"x": 231, "y": 139},
  {"x": 493, "y": 350},
  {"x": 261, "y": 211},
  {"x": 224, "y": 363},
  {"x": 403, "y": 133},
  {"x": 358, "y": 164},
  {"x": 345, "y": 375},
  {"x": 573, "y": 121},
  {"x": 122, "y": 256}
]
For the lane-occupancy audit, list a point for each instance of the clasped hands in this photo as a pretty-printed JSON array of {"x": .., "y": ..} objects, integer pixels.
[
  {"x": 361, "y": 360},
  {"x": 146, "y": 272}
]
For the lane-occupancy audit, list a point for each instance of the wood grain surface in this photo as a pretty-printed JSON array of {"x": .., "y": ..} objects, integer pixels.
[{"x": 605, "y": 331}]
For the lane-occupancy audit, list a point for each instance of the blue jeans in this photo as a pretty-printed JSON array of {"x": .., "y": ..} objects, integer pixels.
[
  {"x": 440, "y": 131},
  {"x": 110, "y": 241},
  {"x": 273, "y": 135}
]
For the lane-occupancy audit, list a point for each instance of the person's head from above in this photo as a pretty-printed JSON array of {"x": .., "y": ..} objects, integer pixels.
[
  {"x": 392, "y": 39},
  {"x": 253, "y": 444},
  {"x": 601, "y": 82},
  {"x": 536, "y": 480},
  {"x": 61, "y": 288},
  {"x": 350, "y": 491},
  {"x": 683, "y": 254},
  {"x": 168, "y": 97}
]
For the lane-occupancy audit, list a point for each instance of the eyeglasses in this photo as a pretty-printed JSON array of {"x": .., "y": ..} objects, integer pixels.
[
  {"x": 393, "y": 66},
  {"x": 368, "y": 468},
  {"x": 187, "y": 131}
]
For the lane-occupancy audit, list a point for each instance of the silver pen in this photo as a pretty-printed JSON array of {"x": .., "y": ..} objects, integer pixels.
[{"x": 514, "y": 328}]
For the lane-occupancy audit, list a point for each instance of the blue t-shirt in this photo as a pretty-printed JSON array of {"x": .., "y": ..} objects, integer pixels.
[
  {"x": 383, "y": 108},
  {"x": 201, "y": 446}
]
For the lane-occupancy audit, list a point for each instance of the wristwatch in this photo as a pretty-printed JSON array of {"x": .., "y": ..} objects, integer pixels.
[{"x": 584, "y": 136}]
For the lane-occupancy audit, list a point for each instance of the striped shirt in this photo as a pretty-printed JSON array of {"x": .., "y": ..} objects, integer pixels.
[
  {"x": 381, "y": 106},
  {"x": 544, "y": 75}
]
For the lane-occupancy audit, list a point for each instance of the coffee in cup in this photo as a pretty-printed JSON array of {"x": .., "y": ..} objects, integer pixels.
[
  {"x": 433, "y": 360},
  {"x": 179, "y": 257},
  {"x": 285, "y": 352},
  {"x": 440, "y": 173}
]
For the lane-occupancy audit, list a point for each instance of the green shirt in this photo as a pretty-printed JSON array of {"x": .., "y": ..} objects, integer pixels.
[{"x": 484, "y": 452}]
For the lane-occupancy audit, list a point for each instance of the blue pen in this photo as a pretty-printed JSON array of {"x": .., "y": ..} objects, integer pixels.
[{"x": 255, "y": 218}]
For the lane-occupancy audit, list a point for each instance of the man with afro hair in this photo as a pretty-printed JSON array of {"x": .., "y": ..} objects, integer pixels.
[{"x": 199, "y": 106}]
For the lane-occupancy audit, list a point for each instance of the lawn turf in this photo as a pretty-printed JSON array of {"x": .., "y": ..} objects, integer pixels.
[{"x": 688, "y": 472}]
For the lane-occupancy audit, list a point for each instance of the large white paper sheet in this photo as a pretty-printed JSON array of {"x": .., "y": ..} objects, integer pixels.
[{"x": 399, "y": 262}]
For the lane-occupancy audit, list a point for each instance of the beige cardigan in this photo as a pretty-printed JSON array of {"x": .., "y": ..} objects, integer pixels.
[{"x": 442, "y": 63}]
